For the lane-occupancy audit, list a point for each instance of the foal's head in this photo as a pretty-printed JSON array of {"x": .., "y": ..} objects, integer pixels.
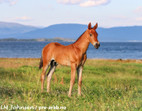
[{"x": 92, "y": 35}]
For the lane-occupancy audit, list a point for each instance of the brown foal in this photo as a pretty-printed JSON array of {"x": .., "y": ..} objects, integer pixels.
[{"x": 73, "y": 55}]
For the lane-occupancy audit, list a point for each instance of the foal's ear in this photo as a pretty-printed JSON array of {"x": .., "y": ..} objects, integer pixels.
[
  {"x": 89, "y": 26},
  {"x": 95, "y": 27}
]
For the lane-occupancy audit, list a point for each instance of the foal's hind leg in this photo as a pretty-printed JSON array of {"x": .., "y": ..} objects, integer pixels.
[
  {"x": 49, "y": 74},
  {"x": 43, "y": 77},
  {"x": 45, "y": 67}
]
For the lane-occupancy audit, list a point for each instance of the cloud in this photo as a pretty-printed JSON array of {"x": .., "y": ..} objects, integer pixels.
[
  {"x": 84, "y": 3},
  {"x": 139, "y": 19},
  {"x": 89, "y": 3},
  {"x": 138, "y": 10},
  {"x": 119, "y": 17},
  {"x": 69, "y": 1},
  {"x": 23, "y": 18},
  {"x": 11, "y": 2}
]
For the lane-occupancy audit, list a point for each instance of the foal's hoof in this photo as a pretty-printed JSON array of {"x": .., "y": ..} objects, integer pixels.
[
  {"x": 48, "y": 91},
  {"x": 69, "y": 95},
  {"x": 41, "y": 91},
  {"x": 79, "y": 94}
]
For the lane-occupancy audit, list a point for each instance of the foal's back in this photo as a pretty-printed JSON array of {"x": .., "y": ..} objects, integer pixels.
[
  {"x": 60, "y": 53},
  {"x": 56, "y": 47}
]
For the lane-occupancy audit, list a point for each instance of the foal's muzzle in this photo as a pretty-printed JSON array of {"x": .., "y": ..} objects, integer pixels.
[{"x": 96, "y": 45}]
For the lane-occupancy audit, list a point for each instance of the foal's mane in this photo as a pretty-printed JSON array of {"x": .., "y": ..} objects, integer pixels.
[{"x": 79, "y": 37}]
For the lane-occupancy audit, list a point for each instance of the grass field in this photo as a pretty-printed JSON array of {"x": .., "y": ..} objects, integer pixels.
[{"x": 108, "y": 85}]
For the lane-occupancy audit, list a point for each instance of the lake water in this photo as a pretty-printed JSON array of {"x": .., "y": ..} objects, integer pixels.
[{"x": 107, "y": 50}]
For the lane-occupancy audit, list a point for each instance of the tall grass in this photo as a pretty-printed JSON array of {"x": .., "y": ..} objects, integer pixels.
[{"x": 107, "y": 86}]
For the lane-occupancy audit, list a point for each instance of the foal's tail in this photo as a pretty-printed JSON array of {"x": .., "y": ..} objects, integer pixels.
[{"x": 41, "y": 63}]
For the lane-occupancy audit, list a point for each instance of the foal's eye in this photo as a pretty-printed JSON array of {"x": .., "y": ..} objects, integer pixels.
[{"x": 90, "y": 34}]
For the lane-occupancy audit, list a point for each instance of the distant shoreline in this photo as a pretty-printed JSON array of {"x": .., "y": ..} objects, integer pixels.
[
  {"x": 57, "y": 39},
  {"x": 40, "y": 40}
]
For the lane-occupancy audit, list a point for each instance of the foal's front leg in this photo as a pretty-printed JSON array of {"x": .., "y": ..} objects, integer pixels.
[
  {"x": 73, "y": 71},
  {"x": 79, "y": 77},
  {"x": 79, "y": 74}
]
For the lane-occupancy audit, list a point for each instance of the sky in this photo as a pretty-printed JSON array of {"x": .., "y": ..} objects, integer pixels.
[{"x": 42, "y": 13}]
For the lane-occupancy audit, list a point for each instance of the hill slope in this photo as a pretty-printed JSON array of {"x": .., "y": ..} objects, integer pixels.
[
  {"x": 73, "y": 31},
  {"x": 11, "y": 30},
  {"x": 131, "y": 33},
  {"x": 70, "y": 31}
]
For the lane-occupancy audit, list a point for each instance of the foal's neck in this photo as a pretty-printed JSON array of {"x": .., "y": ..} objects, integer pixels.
[{"x": 82, "y": 43}]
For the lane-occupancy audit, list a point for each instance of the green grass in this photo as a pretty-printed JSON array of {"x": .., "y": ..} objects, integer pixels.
[{"x": 106, "y": 86}]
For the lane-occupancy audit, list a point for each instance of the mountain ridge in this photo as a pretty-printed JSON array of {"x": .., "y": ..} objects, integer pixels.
[
  {"x": 10, "y": 30},
  {"x": 73, "y": 31}
]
